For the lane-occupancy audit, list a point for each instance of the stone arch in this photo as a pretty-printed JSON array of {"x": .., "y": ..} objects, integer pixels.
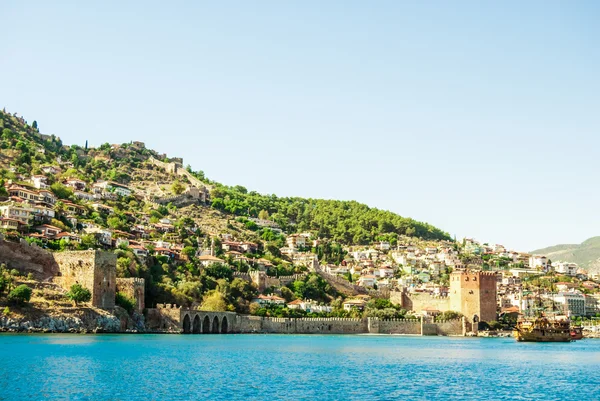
[
  {"x": 224, "y": 324},
  {"x": 206, "y": 325},
  {"x": 215, "y": 325},
  {"x": 186, "y": 324},
  {"x": 196, "y": 325}
]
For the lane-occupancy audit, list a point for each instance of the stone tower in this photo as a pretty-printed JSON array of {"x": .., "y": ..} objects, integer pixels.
[
  {"x": 94, "y": 270},
  {"x": 473, "y": 293}
]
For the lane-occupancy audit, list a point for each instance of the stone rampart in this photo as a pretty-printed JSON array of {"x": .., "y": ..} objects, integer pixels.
[
  {"x": 249, "y": 324},
  {"x": 400, "y": 326},
  {"x": 340, "y": 284},
  {"x": 450, "y": 327},
  {"x": 173, "y": 319},
  {"x": 419, "y": 301},
  {"x": 243, "y": 276},
  {"x": 133, "y": 288},
  {"x": 308, "y": 325},
  {"x": 165, "y": 318}
]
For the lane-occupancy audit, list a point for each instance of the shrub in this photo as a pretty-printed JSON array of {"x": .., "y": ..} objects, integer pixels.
[
  {"x": 20, "y": 295},
  {"x": 15, "y": 273},
  {"x": 124, "y": 302},
  {"x": 78, "y": 293}
]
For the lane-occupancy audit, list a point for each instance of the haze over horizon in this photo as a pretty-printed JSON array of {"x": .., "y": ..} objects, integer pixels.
[{"x": 479, "y": 119}]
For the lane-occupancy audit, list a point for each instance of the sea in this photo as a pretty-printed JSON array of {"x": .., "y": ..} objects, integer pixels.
[{"x": 294, "y": 367}]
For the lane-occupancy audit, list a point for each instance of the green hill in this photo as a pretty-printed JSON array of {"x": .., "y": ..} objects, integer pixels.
[
  {"x": 586, "y": 254},
  {"x": 131, "y": 199}
]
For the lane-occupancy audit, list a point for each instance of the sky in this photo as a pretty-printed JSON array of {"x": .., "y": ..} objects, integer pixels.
[{"x": 481, "y": 118}]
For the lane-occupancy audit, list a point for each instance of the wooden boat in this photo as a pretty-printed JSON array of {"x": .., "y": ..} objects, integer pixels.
[
  {"x": 576, "y": 332},
  {"x": 543, "y": 329}
]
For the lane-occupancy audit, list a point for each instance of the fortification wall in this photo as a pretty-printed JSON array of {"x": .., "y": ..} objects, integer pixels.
[
  {"x": 243, "y": 276},
  {"x": 396, "y": 297},
  {"x": 165, "y": 317},
  {"x": 254, "y": 324},
  {"x": 133, "y": 288},
  {"x": 249, "y": 324},
  {"x": 400, "y": 326},
  {"x": 340, "y": 284},
  {"x": 94, "y": 270},
  {"x": 420, "y": 301},
  {"x": 450, "y": 327}
]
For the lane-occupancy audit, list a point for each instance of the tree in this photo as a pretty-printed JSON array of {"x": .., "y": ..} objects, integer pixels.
[
  {"x": 287, "y": 294},
  {"x": 20, "y": 295},
  {"x": 124, "y": 302},
  {"x": 61, "y": 191},
  {"x": 78, "y": 293},
  {"x": 177, "y": 187},
  {"x": 219, "y": 270},
  {"x": 4, "y": 282},
  {"x": 214, "y": 301},
  {"x": 34, "y": 125},
  {"x": 263, "y": 215},
  {"x": 3, "y": 191},
  {"x": 448, "y": 315}
]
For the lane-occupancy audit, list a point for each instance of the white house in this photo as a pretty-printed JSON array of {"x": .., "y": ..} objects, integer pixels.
[
  {"x": 538, "y": 262},
  {"x": 567, "y": 268}
]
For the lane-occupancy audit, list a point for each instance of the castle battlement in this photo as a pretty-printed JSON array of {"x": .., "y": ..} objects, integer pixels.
[{"x": 167, "y": 306}]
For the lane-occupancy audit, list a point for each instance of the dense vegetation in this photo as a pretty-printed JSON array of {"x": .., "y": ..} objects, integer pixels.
[{"x": 347, "y": 222}]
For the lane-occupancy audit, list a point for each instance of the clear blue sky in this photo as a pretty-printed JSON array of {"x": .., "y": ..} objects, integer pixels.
[{"x": 482, "y": 119}]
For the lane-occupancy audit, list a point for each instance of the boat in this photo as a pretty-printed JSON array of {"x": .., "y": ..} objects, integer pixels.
[
  {"x": 576, "y": 332},
  {"x": 543, "y": 329}
]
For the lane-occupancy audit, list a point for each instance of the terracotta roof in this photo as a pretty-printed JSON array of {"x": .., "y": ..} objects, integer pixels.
[{"x": 209, "y": 258}]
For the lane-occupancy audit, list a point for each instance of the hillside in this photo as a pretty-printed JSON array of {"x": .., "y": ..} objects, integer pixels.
[
  {"x": 190, "y": 238},
  {"x": 24, "y": 151},
  {"x": 586, "y": 254}
]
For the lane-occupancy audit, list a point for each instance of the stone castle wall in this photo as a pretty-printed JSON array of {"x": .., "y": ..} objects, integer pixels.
[
  {"x": 165, "y": 317},
  {"x": 419, "y": 301},
  {"x": 173, "y": 319},
  {"x": 450, "y": 327},
  {"x": 400, "y": 326},
  {"x": 340, "y": 284},
  {"x": 249, "y": 324},
  {"x": 133, "y": 288},
  {"x": 94, "y": 270},
  {"x": 254, "y": 324}
]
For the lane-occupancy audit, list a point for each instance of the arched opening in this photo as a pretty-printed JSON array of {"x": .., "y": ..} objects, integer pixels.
[
  {"x": 224, "y": 325},
  {"x": 186, "y": 324},
  {"x": 215, "y": 325},
  {"x": 206, "y": 325},
  {"x": 196, "y": 325}
]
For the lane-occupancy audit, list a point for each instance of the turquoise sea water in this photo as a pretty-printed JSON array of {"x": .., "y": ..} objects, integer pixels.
[{"x": 294, "y": 367}]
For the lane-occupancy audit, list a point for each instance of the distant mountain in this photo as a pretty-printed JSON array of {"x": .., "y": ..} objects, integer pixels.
[{"x": 586, "y": 254}]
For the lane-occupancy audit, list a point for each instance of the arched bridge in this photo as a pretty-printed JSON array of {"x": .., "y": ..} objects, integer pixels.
[
  {"x": 202, "y": 322},
  {"x": 175, "y": 319}
]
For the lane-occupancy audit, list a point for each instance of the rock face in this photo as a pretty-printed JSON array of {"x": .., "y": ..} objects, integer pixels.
[
  {"x": 78, "y": 320},
  {"x": 28, "y": 259}
]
